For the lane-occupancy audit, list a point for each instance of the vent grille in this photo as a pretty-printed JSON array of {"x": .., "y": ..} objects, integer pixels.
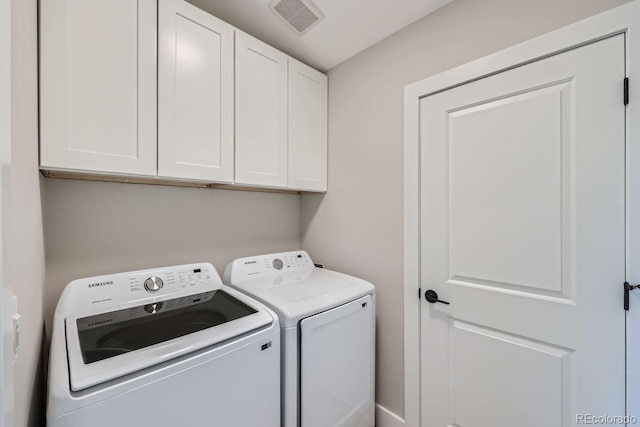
[{"x": 300, "y": 15}]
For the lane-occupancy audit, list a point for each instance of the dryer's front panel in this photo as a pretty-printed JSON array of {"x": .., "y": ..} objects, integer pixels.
[{"x": 337, "y": 366}]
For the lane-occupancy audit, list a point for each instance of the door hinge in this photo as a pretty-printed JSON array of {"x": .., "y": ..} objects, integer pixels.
[
  {"x": 628, "y": 288},
  {"x": 625, "y": 89}
]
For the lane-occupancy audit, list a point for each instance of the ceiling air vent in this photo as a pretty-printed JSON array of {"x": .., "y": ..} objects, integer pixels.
[{"x": 300, "y": 15}]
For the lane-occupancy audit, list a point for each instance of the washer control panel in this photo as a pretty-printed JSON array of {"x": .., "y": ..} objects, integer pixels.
[
  {"x": 183, "y": 277},
  {"x": 121, "y": 288},
  {"x": 268, "y": 265}
]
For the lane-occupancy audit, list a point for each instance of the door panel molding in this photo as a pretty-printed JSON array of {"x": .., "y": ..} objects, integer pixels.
[
  {"x": 476, "y": 178},
  {"x": 525, "y": 354},
  {"x": 616, "y": 21}
]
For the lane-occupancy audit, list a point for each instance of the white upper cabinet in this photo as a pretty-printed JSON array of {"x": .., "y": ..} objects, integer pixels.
[
  {"x": 98, "y": 86},
  {"x": 195, "y": 94},
  {"x": 307, "y": 128},
  {"x": 154, "y": 88},
  {"x": 261, "y": 113}
]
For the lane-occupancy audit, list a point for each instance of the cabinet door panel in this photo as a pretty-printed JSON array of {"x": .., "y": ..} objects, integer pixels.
[
  {"x": 195, "y": 108},
  {"x": 307, "y": 128},
  {"x": 98, "y": 85},
  {"x": 261, "y": 113}
]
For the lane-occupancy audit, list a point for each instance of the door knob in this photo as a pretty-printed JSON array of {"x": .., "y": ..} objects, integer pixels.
[{"x": 432, "y": 297}]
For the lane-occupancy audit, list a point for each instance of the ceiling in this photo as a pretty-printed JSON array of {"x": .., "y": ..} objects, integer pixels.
[{"x": 350, "y": 26}]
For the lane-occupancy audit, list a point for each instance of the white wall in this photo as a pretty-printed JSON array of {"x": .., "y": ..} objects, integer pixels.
[
  {"x": 25, "y": 248},
  {"x": 94, "y": 228},
  {"x": 357, "y": 227},
  {"x": 6, "y": 327}
]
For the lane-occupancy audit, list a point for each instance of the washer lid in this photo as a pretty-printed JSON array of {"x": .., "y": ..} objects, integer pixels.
[
  {"x": 295, "y": 293},
  {"x": 105, "y": 346}
]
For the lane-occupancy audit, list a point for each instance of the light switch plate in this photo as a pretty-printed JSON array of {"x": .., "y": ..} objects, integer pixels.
[{"x": 16, "y": 328}]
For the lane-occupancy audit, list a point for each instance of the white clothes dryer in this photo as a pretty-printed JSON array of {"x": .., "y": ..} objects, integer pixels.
[
  {"x": 165, "y": 347},
  {"x": 327, "y": 322}
]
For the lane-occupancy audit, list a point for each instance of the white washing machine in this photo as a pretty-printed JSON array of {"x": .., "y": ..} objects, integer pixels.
[
  {"x": 327, "y": 320},
  {"x": 165, "y": 347}
]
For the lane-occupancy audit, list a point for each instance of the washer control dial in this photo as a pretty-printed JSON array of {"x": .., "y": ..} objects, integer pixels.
[
  {"x": 277, "y": 264},
  {"x": 153, "y": 284}
]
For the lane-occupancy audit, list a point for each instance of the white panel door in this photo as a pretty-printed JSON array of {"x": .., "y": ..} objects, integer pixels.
[
  {"x": 337, "y": 366},
  {"x": 261, "y": 113},
  {"x": 98, "y": 85},
  {"x": 195, "y": 94},
  {"x": 523, "y": 232},
  {"x": 307, "y": 128}
]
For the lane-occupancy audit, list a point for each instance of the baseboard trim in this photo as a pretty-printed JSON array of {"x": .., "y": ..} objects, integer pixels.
[{"x": 386, "y": 418}]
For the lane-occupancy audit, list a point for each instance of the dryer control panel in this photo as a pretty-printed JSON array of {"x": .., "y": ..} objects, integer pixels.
[{"x": 268, "y": 265}]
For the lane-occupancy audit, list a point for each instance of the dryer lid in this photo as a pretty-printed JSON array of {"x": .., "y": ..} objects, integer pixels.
[{"x": 295, "y": 290}]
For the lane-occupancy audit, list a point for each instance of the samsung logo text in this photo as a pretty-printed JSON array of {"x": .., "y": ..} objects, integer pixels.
[{"x": 93, "y": 285}]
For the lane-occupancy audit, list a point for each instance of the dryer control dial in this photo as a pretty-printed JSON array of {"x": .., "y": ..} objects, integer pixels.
[{"x": 153, "y": 284}]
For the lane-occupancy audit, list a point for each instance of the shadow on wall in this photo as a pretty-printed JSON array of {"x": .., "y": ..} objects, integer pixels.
[
  {"x": 37, "y": 406},
  {"x": 308, "y": 210}
]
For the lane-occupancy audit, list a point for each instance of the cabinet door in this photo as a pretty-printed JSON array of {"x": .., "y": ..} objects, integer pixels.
[
  {"x": 261, "y": 113},
  {"x": 307, "y": 128},
  {"x": 98, "y": 85},
  {"x": 195, "y": 90}
]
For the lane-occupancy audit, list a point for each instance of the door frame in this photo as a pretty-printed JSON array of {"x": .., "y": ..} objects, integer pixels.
[{"x": 619, "y": 20}]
